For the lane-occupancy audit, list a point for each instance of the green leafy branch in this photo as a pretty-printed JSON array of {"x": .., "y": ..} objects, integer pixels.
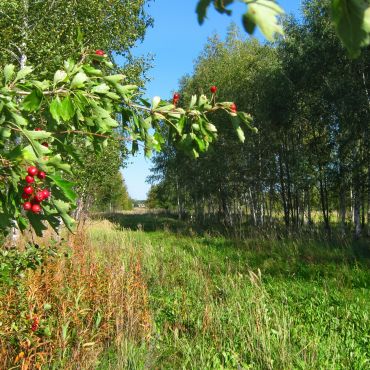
[
  {"x": 351, "y": 19},
  {"x": 42, "y": 122}
]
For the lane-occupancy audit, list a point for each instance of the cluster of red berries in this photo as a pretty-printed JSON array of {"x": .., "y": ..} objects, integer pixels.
[
  {"x": 35, "y": 323},
  {"x": 32, "y": 194}
]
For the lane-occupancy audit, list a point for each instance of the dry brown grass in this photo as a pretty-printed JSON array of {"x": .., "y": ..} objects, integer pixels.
[{"x": 97, "y": 298}]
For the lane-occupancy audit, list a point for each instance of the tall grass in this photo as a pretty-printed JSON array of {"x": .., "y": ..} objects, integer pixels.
[
  {"x": 85, "y": 301},
  {"x": 122, "y": 299}
]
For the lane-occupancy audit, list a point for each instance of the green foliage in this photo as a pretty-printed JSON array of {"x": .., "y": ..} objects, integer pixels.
[
  {"x": 82, "y": 101},
  {"x": 309, "y": 162},
  {"x": 15, "y": 263},
  {"x": 48, "y": 32},
  {"x": 352, "y": 23},
  {"x": 351, "y": 19},
  {"x": 261, "y": 13},
  {"x": 112, "y": 194}
]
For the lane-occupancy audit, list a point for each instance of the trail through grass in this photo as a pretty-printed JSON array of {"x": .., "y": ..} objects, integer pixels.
[{"x": 257, "y": 304}]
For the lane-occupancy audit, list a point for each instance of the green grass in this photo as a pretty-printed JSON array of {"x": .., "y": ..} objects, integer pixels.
[{"x": 260, "y": 304}]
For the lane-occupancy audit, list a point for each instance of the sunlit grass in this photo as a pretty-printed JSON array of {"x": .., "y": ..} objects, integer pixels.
[
  {"x": 259, "y": 304},
  {"x": 122, "y": 298}
]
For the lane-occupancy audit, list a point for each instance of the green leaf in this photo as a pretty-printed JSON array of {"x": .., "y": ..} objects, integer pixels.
[
  {"x": 220, "y": 6},
  {"x": 240, "y": 133},
  {"x": 65, "y": 186},
  {"x": 55, "y": 108},
  {"x": 59, "y": 76},
  {"x": 264, "y": 14},
  {"x": 113, "y": 96},
  {"x": 8, "y": 72},
  {"x": 56, "y": 162},
  {"x": 28, "y": 154},
  {"x": 115, "y": 78},
  {"x": 124, "y": 90},
  {"x": 155, "y": 101},
  {"x": 63, "y": 208},
  {"x": 210, "y": 127},
  {"x": 19, "y": 120},
  {"x": 352, "y": 23},
  {"x": 36, "y": 223},
  {"x": 236, "y": 124},
  {"x": 69, "y": 65},
  {"x": 92, "y": 71},
  {"x": 248, "y": 23},
  {"x": 201, "y": 10},
  {"x": 38, "y": 135},
  {"x": 201, "y": 143},
  {"x": 42, "y": 85},
  {"x": 79, "y": 80},
  {"x": 23, "y": 73},
  {"x": 192, "y": 101},
  {"x": 166, "y": 108},
  {"x": 5, "y": 133},
  {"x": 38, "y": 148},
  {"x": 100, "y": 89},
  {"x": 5, "y": 220},
  {"x": 32, "y": 101},
  {"x": 66, "y": 109}
]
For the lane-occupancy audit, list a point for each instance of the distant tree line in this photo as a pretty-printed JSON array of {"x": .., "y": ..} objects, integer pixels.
[{"x": 309, "y": 164}]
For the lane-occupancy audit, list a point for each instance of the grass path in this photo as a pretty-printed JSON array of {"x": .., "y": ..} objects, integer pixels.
[{"x": 260, "y": 304}]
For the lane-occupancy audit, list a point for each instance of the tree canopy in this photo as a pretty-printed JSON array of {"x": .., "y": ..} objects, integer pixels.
[{"x": 309, "y": 162}]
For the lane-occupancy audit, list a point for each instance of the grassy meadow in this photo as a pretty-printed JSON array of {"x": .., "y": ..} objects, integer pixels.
[{"x": 147, "y": 292}]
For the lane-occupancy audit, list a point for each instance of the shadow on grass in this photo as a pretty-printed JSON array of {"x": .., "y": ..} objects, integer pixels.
[
  {"x": 306, "y": 256},
  {"x": 147, "y": 222},
  {"x": 255, "y": 238}
]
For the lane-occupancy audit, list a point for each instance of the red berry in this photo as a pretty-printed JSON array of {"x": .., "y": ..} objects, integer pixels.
[
  {"x": 233, "y": 107},
  {"x": 28, "y": 190},
  {"x": 176, "y": 96},
  {"x": 25, "y": 196},
  {"x": 32, "y": 171},
  {"x": 39, "y": 196},
  {"x": 46, "y": 193},
  {"x": 45, "y": 144},
  {"x": 27, "y": 206},
  {"x": 36, "y": 208},
  {"x": 100, "y": 52},
  {"x": 213, "y": 89},
  {"x": 29, "y": 179},
  {"x": 38, "y": 129},
  {"x": 41, "y": 175}
]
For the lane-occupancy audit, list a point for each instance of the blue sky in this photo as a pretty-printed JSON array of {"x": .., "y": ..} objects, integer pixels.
[{"x": 175, "y": 41}]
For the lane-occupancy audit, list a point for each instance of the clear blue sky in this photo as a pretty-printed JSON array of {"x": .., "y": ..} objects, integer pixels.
[{"x": 175, "y": 41}]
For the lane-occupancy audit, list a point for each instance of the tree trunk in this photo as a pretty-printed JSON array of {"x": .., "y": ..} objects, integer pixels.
[
  {"x": 368, "y": 203},
  {"x": 342, "y": 209},
  {"x": 179, "y": 207},
  {"x": 308, "y": 201},
  {"x": 283, "y": 191},
  {"x": 324, "y": 202},
  {"x": 357, "y": 207}
]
